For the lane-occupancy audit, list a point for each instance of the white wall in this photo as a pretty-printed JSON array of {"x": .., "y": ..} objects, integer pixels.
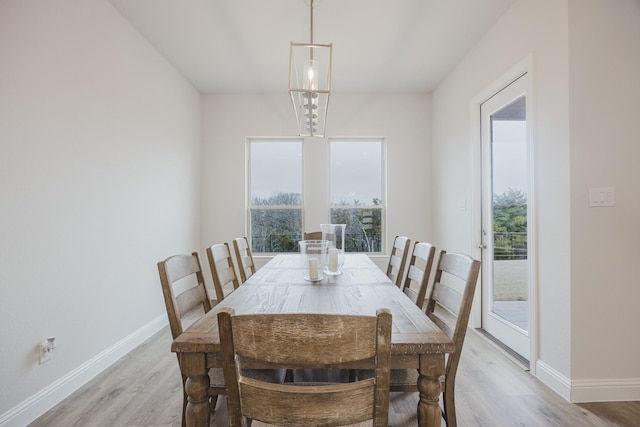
[
  {"x": 403, "y": 119},
  {"x": 604, "y": 51},
  {"x": 99, "y": 180},
  {"x": 528, "y": 29},
  {"x": 585, "y": 56}
]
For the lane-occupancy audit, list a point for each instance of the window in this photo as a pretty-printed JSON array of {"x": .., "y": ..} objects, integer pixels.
[
  {"x": 357, "y": 191},
  {"x": 275, "y": 195},
  {"x": 290, "y": 185}
]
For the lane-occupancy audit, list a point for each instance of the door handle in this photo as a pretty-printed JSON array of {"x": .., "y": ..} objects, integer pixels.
[{"x": 482, "y": 246}]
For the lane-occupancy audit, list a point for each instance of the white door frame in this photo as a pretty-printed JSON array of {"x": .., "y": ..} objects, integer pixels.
[{"x": 525, "y": 66}]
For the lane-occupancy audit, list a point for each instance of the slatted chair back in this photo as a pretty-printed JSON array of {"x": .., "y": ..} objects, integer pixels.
[
  {"x": 223, "y": 271},
  {"x": 398, "y": 259},
  {"x": 418, "y": 272},
  {"x": 306, "y": 341},
  {"x": 181, "y": 297},
  {"x": 450, "y": 298},
  {"x": 244, "y": 258},
  {"x": 179, "y": 300},
  {"x": 448, "y": 304}
]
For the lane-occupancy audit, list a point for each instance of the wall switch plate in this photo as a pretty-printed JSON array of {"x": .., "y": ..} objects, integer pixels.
[{"x": 601, "y": 197}]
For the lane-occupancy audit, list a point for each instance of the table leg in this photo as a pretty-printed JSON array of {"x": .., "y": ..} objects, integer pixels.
[
  {"x": 431, "y": 369},
  {"x": 193, "y": 366}
]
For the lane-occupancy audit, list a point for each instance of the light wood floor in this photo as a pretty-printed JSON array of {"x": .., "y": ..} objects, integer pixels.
[{"x": 144, "y": 389}]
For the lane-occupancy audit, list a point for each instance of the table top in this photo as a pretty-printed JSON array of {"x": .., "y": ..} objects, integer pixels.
[{"x": 361, "y": 289}]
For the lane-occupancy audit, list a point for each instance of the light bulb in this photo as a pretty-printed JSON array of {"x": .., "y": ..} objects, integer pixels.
[{"x": 311, "y": 75}]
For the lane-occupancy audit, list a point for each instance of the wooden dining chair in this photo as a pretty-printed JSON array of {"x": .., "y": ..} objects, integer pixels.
[
  {"x": 246, "y": 266},
  {"x": 418, "y": 272},
  {"x": 312, "y": 341},
  {"x": 398, "y": 259},
  {"x": 448, "y": 305},
  {"x": 313, "y": 235},
  {"x": 182, "y": 300},
  {"x": 223, "y": 271}
]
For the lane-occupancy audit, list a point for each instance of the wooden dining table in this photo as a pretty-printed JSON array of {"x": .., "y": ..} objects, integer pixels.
[{"x": 279, "y": 287}]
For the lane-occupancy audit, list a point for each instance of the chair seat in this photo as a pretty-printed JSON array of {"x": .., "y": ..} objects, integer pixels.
[
  {"x": 403, "y": 380},
  {"x": 216, "y": 379}
]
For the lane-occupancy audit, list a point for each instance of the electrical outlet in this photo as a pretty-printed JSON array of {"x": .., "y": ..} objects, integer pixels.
[{"x": 47, "y": 349}]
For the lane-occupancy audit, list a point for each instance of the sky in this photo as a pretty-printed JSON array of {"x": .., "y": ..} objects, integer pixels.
[
  {"x": 356, "y": 170},
  {"x": 509, "y": 156}
]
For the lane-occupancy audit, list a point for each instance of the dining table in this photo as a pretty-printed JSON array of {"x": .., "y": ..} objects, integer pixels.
[{"x": 361, "y": 288}]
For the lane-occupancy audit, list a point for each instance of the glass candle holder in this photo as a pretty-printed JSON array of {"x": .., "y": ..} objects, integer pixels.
[
  {"x": 334, "y": 235},
  {"x": 313, "y": 254}
]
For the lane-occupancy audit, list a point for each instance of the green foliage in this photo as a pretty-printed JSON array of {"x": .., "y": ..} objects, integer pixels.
[
  {"x": 510, "y": 224},
  {"x": 279, "y": 230},
  {"x": 364, "y": 228},
  {"x": 276, "y": 230},
  {"x": 510, "y": 211}
]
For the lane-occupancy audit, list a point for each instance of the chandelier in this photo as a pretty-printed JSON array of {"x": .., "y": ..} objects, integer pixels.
[{"x": 310, "y": 83}]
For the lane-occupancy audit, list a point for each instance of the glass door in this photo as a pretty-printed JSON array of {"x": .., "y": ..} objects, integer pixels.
[{"x": 505, "y": 217}]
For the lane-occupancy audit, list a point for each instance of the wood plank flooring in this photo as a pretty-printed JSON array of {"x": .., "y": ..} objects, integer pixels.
[{"x": 144, "y": 389}]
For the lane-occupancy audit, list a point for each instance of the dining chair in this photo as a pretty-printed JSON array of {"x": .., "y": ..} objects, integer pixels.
[
  {"x": 312, "y": 341},
  {"x": 223, "y": 271},
  {"x": 398, "y": 259},
  {"x": 448, "y": 305},
  {"x": 313, "y": 235},
  {"x": 184, "y": 299},
  {"x": 418, "y": 272},
  {"x": 181, "y": 301},
  {"x": 246, "y": 266}
]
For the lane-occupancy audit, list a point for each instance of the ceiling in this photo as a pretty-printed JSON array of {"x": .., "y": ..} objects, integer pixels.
[{"x": 242, "y": 46}]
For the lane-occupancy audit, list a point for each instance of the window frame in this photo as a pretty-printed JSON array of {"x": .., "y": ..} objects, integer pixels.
[{"x": 316, "y": 201}]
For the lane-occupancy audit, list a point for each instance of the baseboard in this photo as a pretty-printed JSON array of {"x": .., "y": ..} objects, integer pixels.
[
  {"x": 581, "y": 391},
  {"x": 554, "y": 379},
  {"x": 32, "y": 408},
  {"x": 605, "y": 390}
]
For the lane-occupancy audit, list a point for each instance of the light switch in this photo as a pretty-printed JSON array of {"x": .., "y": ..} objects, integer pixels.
[{"x": 601, "y": 197}]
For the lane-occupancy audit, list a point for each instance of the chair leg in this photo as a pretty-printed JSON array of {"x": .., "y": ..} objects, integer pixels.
[
  {"x": 184, "y": 402},
  {"x": 449, "y": 412}
]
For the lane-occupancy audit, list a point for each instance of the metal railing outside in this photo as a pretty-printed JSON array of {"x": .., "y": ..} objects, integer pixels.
[{"x": 509, "y": 245}]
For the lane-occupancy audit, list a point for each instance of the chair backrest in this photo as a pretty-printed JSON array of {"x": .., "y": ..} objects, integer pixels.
[
  {"x": 398, "y": 259},
  {"x": 453, "y": 287},
  {"x": 312, "y": 341},
  {"x": 418, "y": 272},
  {"x": 244, "y": 258},
  {"x": 313, "y": 235},
  {"x": 223, "y": 271},
  {"x": 186, "y": 296}
]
